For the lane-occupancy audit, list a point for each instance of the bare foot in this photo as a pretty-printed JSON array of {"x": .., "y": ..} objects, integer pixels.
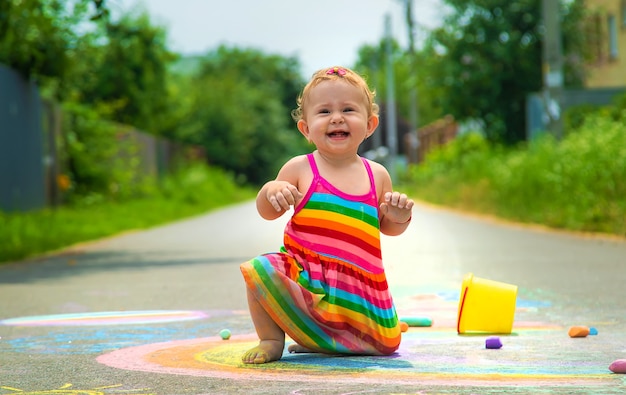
[
  {"x": 295, "y": 348},
  {"x": 266, "y": 351}
]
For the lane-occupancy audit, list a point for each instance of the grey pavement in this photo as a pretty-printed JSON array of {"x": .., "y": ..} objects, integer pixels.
[{"x": 140, "y": 313}]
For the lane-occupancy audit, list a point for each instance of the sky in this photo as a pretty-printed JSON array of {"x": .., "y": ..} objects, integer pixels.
[{"x": 320, "y": 33}]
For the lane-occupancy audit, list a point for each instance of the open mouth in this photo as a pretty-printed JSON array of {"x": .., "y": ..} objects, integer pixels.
[{"x": 338, "y": 134}]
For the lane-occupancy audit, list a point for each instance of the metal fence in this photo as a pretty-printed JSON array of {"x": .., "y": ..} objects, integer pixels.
[
  {"x": 31, "y": 147},
  {"x": 22, "y": 180},
  {"x": 536, "y": 115}
]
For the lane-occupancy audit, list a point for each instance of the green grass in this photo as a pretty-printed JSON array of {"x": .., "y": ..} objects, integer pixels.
[
  {"x": 576, "y": 184},
  {"x": 192, "y": 191}
]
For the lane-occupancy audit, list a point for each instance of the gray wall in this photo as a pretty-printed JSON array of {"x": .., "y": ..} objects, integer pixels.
[
  {"x": 22, "y": 183},
  {"x": 536, "y": 122},
  {"x": 31, "y": 146}
]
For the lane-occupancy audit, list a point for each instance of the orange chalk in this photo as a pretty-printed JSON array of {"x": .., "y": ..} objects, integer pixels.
[
  {"x": 578, "y": 331},
  {"x": 404, "y": 326}
]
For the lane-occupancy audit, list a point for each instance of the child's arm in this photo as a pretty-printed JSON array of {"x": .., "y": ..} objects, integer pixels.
[
  {"x": 277, "y": 196},
  {"x": 395, "y": 207},
  {"x": 396, "y": 213}
]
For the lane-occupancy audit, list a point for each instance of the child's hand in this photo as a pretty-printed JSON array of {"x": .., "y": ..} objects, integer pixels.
[
  {"x": 397, "y": 207},
  {"x": 282, "y": 195}
]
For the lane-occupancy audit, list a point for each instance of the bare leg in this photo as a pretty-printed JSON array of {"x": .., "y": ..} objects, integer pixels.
[{"x": 272, "y": 338}]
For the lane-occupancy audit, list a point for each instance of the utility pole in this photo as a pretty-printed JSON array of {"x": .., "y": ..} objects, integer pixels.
[
  {"x": 413, "y": 96},
  {"x": 391, "y": 126},
  {"x": 552, "y": 66},
  {"x": 377, "y": 140}
]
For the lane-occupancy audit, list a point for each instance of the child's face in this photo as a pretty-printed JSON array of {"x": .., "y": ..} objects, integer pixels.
[{"x": 336, "y": 118}]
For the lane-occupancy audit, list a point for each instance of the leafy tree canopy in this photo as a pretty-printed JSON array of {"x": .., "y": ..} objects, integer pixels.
[
  {"x": 488, "y": 56},
  {"x": 238, "y": 108},
  {"x": 412, "y": 72},
  {"x": 278, "y": 75},
  {"x": 37, "y": 37},
  {"x": 127, "y": 71}
]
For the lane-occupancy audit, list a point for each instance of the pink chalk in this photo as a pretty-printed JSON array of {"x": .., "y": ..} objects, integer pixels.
[{"x": 618, "y": 366}]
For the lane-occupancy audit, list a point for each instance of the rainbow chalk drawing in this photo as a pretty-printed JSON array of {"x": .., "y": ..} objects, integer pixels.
[
  {"x": 175, "y": 342},
  {"x": 106, "y": 318},
  {"x": 68, "y": 389},
  {"x": 77, "y": 334},
  {"x": 426, "y": 356}
]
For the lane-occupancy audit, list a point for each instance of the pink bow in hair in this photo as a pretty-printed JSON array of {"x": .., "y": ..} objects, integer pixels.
[{"x": 336, "y": 70}]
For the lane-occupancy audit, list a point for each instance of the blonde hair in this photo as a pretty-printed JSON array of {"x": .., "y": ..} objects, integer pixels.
[{"x": 333, "y": 74}]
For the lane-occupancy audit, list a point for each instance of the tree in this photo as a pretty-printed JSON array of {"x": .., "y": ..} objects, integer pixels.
[
  {"x": 75, "y": 52},
  {"x": 278, "y": 75},
  {"x": 37, "y": 37},
  {"x": 237, "y": 107},
  {"x": 411, "y": 73},
  {"x": 128, "y": 73},
  {"x": 489, "y": 59}
]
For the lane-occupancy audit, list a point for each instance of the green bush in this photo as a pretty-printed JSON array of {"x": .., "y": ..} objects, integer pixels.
[
  {"x": 100, "y": 163},
  {"x": 192, "y": 190},
  {"x": 575, "y": 184},
  {"x": 575, "y": 117}
]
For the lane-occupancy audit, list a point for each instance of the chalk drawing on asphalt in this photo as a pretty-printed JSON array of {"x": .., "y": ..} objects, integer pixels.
[
  {"x": 426, "y": 355},
  {"x": 97, "y": 339},
  {"x": 68, "y": 389},
  {"x": 435, "y": 355},
  {"x": 106, "y": 318},
  {"x": 100, "y": 332}
]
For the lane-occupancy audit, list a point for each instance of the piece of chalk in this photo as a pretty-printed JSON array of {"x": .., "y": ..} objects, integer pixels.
[
  {"x": 578, "y": 331},
  {"x": 618, "y": 366},
  {"x": 493, "y": 343},
  {"x": 225, "y": 334},
  {"x": 592, "y": 331},
  {"x": 418, "y": 321},
  {"x": 404, "y": 326}
]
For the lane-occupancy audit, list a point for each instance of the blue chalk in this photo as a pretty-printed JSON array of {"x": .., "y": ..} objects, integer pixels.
[
  {"x": 593, "y": 331},
  {"x": 417, "y": 321}
]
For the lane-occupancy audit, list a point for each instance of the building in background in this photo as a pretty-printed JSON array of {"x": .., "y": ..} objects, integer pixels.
[
  {"x": 607, "y": 28},
  {"x": 605, "y": 76}
]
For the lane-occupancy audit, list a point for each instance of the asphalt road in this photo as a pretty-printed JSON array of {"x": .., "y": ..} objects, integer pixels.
[{"x": 141, "y": 313}]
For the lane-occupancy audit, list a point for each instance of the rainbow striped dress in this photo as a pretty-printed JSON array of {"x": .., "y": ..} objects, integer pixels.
[{"x": 326, "y": 288}]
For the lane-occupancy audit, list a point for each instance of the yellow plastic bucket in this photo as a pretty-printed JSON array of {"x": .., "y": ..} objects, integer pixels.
[{"x": 486, "y": 306}]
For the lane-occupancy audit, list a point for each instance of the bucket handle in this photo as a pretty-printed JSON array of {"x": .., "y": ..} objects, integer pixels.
[{"x": 458, "y": 324}]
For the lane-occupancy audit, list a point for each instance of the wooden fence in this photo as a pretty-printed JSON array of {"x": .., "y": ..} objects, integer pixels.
[{"x": 432, "y": 136}]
